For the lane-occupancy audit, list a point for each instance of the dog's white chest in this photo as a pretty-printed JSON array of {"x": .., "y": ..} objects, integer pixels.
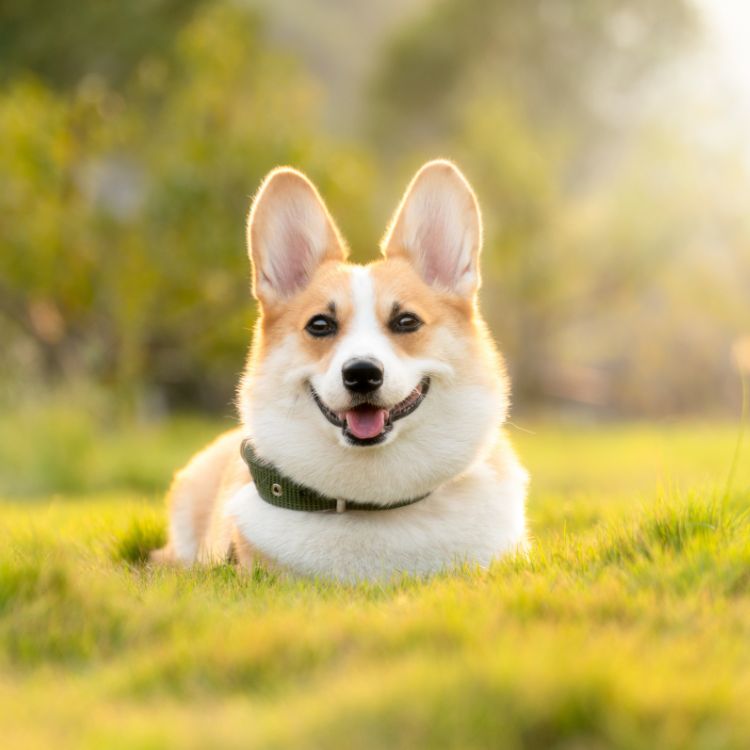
[{"x": 473, "y": 520}]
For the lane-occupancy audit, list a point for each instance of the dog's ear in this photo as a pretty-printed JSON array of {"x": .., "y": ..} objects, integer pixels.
[
  {"x": 438, "y": 228},
  {"x": 289, "y": 234}
]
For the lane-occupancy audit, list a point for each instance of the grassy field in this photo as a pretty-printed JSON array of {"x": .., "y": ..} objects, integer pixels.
[{"x": 628, "y": 627}]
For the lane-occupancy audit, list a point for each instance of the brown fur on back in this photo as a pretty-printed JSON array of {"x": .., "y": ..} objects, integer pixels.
[{"x": 198, "y": 493}]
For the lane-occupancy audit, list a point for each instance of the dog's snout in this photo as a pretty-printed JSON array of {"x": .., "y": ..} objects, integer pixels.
[{"x": 363, "y": 375}]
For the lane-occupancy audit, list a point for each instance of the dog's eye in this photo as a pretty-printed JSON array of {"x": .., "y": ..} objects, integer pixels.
[
  {"x": 405, "y": 323},
  {"x": 321, "y": 325}
]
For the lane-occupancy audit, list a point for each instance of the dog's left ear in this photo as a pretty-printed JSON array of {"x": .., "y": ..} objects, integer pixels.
[
  {"x": 289, "y": 234},
  {"x": 438, "y": 228}
]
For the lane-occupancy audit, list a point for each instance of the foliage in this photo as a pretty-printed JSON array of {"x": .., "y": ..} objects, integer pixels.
[
  {"x": 133, "y": 268},
  {"x": 76, "y": 442},
  {"x": 107, "y": 40},
  {"x": 616, "y": 254},
  {"x": 559, "y": 60},
  {"x": 601, "y": 638}
]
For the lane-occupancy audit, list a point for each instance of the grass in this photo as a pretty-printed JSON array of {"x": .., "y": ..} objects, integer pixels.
[{"x": 627, "y": 627}]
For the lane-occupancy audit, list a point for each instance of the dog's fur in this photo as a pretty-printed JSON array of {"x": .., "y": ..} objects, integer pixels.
[{"x": 452, "y": 446}]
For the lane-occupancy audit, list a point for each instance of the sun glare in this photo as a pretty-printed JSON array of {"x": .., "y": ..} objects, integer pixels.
[{"x": 728, "y": 22}]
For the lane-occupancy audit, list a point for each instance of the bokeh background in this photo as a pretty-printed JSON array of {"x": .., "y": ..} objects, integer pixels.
[
  {"x": 609, "y": 143},
  {"x": 607, "y": 140}
]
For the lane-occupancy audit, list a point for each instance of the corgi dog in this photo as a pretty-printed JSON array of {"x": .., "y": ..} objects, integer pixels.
[{"x": 372, "y": 405}]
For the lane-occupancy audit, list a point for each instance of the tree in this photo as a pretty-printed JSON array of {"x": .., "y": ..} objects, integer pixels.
[{"x": 123, "y": 211}]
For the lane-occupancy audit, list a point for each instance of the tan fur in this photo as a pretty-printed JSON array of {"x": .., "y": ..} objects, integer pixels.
[
  {"x": 201, "y": 490},
  {"x": 397, "y": 281},
  {"x": 329, "y": 285},
  {"x": 216, "y": 472}
]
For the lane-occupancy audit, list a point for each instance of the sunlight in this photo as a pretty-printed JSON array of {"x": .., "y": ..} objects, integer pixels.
[{"x": 729, "y": 24}]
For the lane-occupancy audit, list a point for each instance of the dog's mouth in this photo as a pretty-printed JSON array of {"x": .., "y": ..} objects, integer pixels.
[{"x": 368, "y": 424}]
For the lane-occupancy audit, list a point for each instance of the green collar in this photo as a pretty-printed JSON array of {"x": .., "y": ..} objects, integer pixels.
[{"x": 278, "y": 490}]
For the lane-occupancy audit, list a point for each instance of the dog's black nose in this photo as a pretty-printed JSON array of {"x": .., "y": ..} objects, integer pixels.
[{"x": 362, "y": 375}]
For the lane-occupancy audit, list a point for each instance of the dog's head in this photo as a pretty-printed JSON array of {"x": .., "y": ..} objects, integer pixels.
[{"x": 374, "y": 383}]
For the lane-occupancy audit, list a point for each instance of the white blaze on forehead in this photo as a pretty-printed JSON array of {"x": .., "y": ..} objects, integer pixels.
[
  {"x": 365, "y": 337},
  {"x": 363, "y": 301}
]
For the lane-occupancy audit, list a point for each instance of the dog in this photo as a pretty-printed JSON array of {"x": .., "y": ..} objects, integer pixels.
[{"x": 372, "y": 404}]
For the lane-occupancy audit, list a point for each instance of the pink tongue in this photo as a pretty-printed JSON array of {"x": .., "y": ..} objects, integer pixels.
[{"x": 366, "y": 422}]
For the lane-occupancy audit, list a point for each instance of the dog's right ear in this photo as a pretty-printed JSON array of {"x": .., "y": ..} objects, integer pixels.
[{"x": 289, "y": 234}]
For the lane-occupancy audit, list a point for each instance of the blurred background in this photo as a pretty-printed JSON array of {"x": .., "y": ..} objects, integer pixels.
[{"x": 607, "y": 140}]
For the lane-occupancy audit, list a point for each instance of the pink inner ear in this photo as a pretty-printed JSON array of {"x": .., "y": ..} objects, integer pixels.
[
  {"x": 438, "y": 261},
  {"x": 292, "y": 266}
]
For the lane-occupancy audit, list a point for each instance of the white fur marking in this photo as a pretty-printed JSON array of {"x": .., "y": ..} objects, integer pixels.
[{"x": 473, "y": 519}]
